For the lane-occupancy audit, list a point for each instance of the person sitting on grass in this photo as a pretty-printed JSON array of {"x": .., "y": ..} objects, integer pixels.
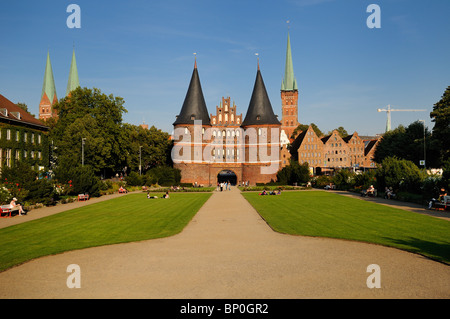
[
  {"x": 16, "y": 207},
  {"x": 166, "y": 195}
]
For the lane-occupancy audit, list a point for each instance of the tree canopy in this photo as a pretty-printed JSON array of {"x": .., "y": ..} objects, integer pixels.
[
  {"x": 408, "y": 143},
  {"x": 90, "y": 125},
  {"x": 304, "y": 127},
  {"x": 441, "y": 118}
]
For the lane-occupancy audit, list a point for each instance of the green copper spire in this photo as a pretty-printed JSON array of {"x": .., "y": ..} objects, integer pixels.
[
  {"x": 49, "y": 88},
  {"x": 74, "y": 81},
  {"x": 289, "y": 82}
]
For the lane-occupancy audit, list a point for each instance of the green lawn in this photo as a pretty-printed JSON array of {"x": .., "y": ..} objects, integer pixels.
[
  {"x": 124, "y": 219},
  {"x": 322, "y": 214}
]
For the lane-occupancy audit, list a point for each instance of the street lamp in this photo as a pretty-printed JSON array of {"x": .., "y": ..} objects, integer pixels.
[
  {"x": 424, "y": 147},
  {"x": 140, "y": 159},
  {"x": 82, "y": 150}
]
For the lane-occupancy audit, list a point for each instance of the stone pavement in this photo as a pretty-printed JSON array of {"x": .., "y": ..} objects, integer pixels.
[{"x": 228, "y": 251}]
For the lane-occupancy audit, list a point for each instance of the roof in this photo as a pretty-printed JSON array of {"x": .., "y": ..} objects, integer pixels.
[
  {"x": 289, "y": 82},
  {"x": 369, "y": 146},
  {"x": 16, "y": 114},
  {"x": 296, "y": 144},
  {"x": 48, "y": 87},
  {"x": 194, "y": 106},
  {"x": 260, "y": 110},
  {"x": 74, "y": 81}
]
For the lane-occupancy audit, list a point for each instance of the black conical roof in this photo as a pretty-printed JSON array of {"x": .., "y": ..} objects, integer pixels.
[
  {"x": 194, "y": 106},
  {"x": 260, "y": 110}
]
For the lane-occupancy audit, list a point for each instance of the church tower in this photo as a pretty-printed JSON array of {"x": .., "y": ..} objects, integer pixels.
[
  {"x": 48, "y": 96},
  {"x": 74, "y": 81},
  {"x": 289, "y": 96}
]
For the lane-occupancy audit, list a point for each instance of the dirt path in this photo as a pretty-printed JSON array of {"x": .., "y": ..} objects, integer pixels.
[{"x": 228, "y": 251}]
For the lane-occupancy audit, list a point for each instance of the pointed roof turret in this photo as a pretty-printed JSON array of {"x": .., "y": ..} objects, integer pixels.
[
  {"x": 74, "y": 81},
  {"x": 194, "y": 106},
  {"x": 260, "y": 110},
  {"x": 289, "y": 82},
  {"x": 48, "y": 88}
]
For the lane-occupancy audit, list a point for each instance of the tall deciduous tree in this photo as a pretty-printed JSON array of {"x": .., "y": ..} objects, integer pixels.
[
  {"x": 441, "y": 117},
  {"x": 409, "y": 144},
  {"x": 97, "y": 118}
]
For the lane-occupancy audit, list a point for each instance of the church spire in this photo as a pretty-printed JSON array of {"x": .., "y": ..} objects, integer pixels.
[
  {"x": 49, "y": 88},
  {"x": 74, "y": 81},
  {"x": 289, "y": 82},
  {"x": 48, "y": 95}
]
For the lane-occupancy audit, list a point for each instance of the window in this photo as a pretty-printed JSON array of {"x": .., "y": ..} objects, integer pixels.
[
  {"x": 8, "y": 134},
  {"x": 186, "y": 130},
  {"x": 8, "y": 157},
  {"x": 17, "y": 136},
  {"x": 32, "y": 138},
  {"x": 25, "y": 137}
]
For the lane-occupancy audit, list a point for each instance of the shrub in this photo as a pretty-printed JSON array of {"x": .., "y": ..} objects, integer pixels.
[
  {"x": 134, "y": 179},
  {"x": 42, "y": 191},
  {"x": 344, "y": 179},
  {"x": 400, "y": 174},
  {"x": 294, "y": 173},
  {"x": 163, "y": 175},
  {"x": 84, "y": 181},
  {"x": 365, "y": 179},
  {"x": 322, "y": 181}
]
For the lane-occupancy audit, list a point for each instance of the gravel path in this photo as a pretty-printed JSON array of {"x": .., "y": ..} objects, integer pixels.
[{"x": 228, "y": 251}]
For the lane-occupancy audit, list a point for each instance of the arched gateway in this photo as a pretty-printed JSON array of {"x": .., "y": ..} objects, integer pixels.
[{"x": 227, "y": 176}]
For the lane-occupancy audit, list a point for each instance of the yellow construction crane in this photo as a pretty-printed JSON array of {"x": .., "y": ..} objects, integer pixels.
[{"x": 389, "y": 110}]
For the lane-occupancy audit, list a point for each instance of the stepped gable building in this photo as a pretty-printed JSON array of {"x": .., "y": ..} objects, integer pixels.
[
  {"x": 224, "y": 147},
  {"x": 23, "y": 137},
  {"x": 333, "y": 152}
]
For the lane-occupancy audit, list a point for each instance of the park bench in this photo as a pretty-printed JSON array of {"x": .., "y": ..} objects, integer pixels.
[
  {"x": 5, "y": 211},
  {"x": 83, "y": 197}
]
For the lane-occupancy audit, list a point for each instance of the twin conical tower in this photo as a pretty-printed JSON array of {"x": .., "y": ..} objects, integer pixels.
[{"x": 49, "y": 96}]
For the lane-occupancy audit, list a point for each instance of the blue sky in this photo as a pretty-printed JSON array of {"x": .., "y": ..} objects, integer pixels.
[{"x": 143, "y": 52}]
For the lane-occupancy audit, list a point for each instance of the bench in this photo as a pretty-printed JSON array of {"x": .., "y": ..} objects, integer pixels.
[
  {"x": 83, "y": 197},
  {"x": 6, "y": 211}
]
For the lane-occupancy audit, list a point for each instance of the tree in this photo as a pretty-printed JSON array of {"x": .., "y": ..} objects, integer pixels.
[
  {"x": 304, "y": 127},
  {"x": 294, "y": 173},
  {"x": 97, "y": 118},
  {"x": 151, "y": 144},
  {"x": 441, "y": 131},
  {"x": 408, "y": 143},
  {"x": 341, "y": 130},
  {"x": 400, "y": 174}
]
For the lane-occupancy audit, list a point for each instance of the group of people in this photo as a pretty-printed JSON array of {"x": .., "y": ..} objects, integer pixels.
[
  {"x": 271, "y": 193},
  {"x": 166, "y": 195},
  {"x": 442, "y": 198},
  {"x": 388, "y": 193},
  {"x": 224, "y": 186}
]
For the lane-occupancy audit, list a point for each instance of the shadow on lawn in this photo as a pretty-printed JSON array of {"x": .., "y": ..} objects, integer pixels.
[{"x": 432, "y": 250}]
